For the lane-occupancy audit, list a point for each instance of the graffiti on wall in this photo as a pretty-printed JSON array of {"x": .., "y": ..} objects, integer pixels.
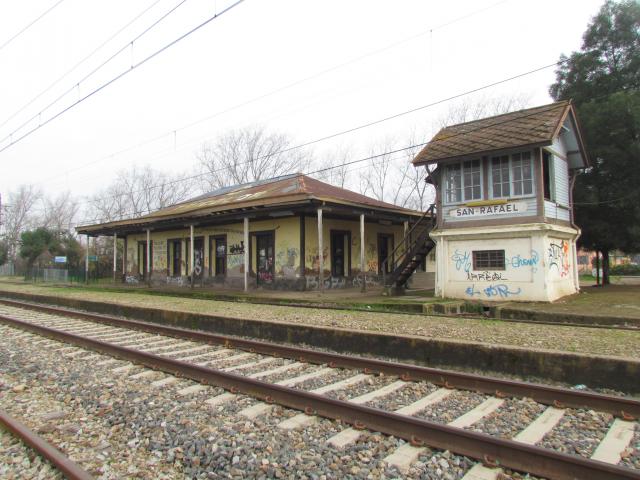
[
  {"x": 314, "y": 259},
  {"x": 462, "y": 260},
  {"x": 286, "y": 261},
  {"x": 492, "y": 291},
  {"x": 372, "y": 266},
  {"x": 558, "y": 254},
  {"x": 369, "y": 281},
  {"x": 237, "y": 248},
  {"x": 313, "y": 282},
  {"x": 486, "y": 276},
  {"x": 131, "y": 279},
  {"x": 519, "y": 261}
]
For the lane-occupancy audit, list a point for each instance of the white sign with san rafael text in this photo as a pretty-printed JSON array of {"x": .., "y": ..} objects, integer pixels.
[{"x": 509, "y": 208}]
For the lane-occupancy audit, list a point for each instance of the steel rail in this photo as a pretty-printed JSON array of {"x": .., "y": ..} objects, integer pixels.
[
  {"x": 490, "y": 450},
  {"x": 69, "y": 468},
  {"x": 547, "y": 395}
]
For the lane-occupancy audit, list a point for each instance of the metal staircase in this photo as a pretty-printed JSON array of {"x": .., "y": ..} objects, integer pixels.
[{"x": 398, "y": 267}]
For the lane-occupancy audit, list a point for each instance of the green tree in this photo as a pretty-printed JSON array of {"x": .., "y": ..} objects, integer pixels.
[
  {"x": 4, "y": 252},
  {"x": 36, "y": 242},
  {"x": 603, "y": 79}
]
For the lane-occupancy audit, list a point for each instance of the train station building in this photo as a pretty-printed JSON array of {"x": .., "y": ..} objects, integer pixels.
[
  {"x": 505, "y": 228},
  {"x": 292, "y": 232}
]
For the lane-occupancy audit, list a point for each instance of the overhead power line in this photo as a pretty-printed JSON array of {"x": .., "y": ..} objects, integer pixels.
[
  {"x": 76, "y": 85},
  {"x": 30, "y": 24},
  {"x": 282, "y": 88},
  {"x": 313, "y": 172},
  {"x": 117, "y": 77},
  {"x": 87, "y": 57}
]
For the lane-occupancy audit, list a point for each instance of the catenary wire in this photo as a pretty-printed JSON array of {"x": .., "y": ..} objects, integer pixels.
[
  {"x": 120, "y": 75},
  {"x": 84, "y": 59},
  {"x": 438, "y": 102},
  {"x": 278, "y": 90},
  {"x": 30, "y": 24},
  {"x": 77, "y": 84},
  {"x": 320, "y": 170}
]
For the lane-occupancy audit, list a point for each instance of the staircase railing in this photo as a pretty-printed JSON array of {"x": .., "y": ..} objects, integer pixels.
[{"x": 424, "y": 224}]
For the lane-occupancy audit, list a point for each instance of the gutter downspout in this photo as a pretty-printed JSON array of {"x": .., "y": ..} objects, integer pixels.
[{"x": 576, "y": 278}]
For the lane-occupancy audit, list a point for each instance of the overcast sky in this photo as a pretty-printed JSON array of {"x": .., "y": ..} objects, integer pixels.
[{"x": 379, "y": 58}]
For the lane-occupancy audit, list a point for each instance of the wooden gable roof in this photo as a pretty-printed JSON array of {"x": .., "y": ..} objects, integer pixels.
[{"x": 531, "y": 127}]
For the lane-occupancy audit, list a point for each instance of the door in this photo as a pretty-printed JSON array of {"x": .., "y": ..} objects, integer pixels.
[
  {"x": 176, "y": 264},
  {"x": 385, "y": 247},
  {"x": 218, "y": 255},
  {"x": 142, "y": 258},
  {"x": 340, "y": 254},
  {"x": 265, "y": 258}
]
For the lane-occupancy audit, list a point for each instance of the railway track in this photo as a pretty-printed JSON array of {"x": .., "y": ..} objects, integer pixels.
[
  {"x": 63, "y": 464},
  {"x": 428, "y": 407}
]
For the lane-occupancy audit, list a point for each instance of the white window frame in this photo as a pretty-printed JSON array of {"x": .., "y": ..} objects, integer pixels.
[
  {"x": 511, "y": 178},
  {"x": 462, "y": 185}
]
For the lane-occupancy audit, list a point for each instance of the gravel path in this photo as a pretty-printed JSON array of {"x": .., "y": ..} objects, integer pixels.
[
  {"x": 451, "y": 407},
  {"x": 579, "y": 432},
  {"x": 118, "y": 427},
  {"x": 514, "y": 415},
  {"x": 563, "y": 338}
]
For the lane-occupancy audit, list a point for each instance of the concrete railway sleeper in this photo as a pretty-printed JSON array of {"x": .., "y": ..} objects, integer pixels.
[{"x": 520, "y": 454}]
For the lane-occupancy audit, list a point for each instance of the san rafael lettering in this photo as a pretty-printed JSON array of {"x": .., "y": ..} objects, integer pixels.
[{"x": 489, "y": 210}]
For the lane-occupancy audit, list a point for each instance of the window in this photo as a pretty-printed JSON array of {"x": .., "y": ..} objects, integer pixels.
[
  {"x": 488, "y": 260},
  {"x": 463, "y": 181},
  {"x": 500, "y": 176},
  {"x": 547, "y": 176},
  {"x": 512, "y": 175},
  {"x": 521, "y": 170}
]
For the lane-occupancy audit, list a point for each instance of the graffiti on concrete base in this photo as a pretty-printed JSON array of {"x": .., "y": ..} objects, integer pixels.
[
  {"x": 131, "y": 279},
  {"x": 180, "y": 281},
  {"x": 329, "y": 282},
  {"x": 559, "y": 257},
  {"x": 492, "y": 291},
  {"x": 369, "y": 281}
]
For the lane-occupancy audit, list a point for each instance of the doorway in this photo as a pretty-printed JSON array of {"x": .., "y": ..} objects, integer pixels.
[
  {"x": 218, "y": 256},
  {"x": 340, "y": 253},
  {"x": 142, "y": 258},
  {"x": 265, "y": 246},
  {"x": 385, "y": 247}
]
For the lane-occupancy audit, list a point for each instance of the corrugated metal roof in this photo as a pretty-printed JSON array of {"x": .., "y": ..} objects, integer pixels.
[
  {"x": 532, "y": 126},
  {"x": 289, "y": 189}
]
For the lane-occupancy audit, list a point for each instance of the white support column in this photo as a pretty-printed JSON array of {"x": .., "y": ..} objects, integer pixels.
[
  {"x": 124, "y": 258},
  {"x": 148, "y": 257},
  {"x": 246, "y": 254},
  {"x": 191, "y": 255},
  {"x": 320, "y": 250},
  {"x": 115, "y": 255},
  {"x": 362, "y": 268},
  {"x": 86, "y": 263}
]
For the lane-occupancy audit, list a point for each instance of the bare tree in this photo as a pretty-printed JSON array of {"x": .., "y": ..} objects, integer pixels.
[
  {"x": 470, "y": 109},
  {"x": 136, "y": 192},
  {"x": 247, "y": 155},
  {"x": 20, "y": 215},
  {"x": 59, "y": 213},
  {"x": 333, "y": 167}
]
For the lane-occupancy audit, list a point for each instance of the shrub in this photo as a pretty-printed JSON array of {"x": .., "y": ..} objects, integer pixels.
[{"x": 625, "y": 269}]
